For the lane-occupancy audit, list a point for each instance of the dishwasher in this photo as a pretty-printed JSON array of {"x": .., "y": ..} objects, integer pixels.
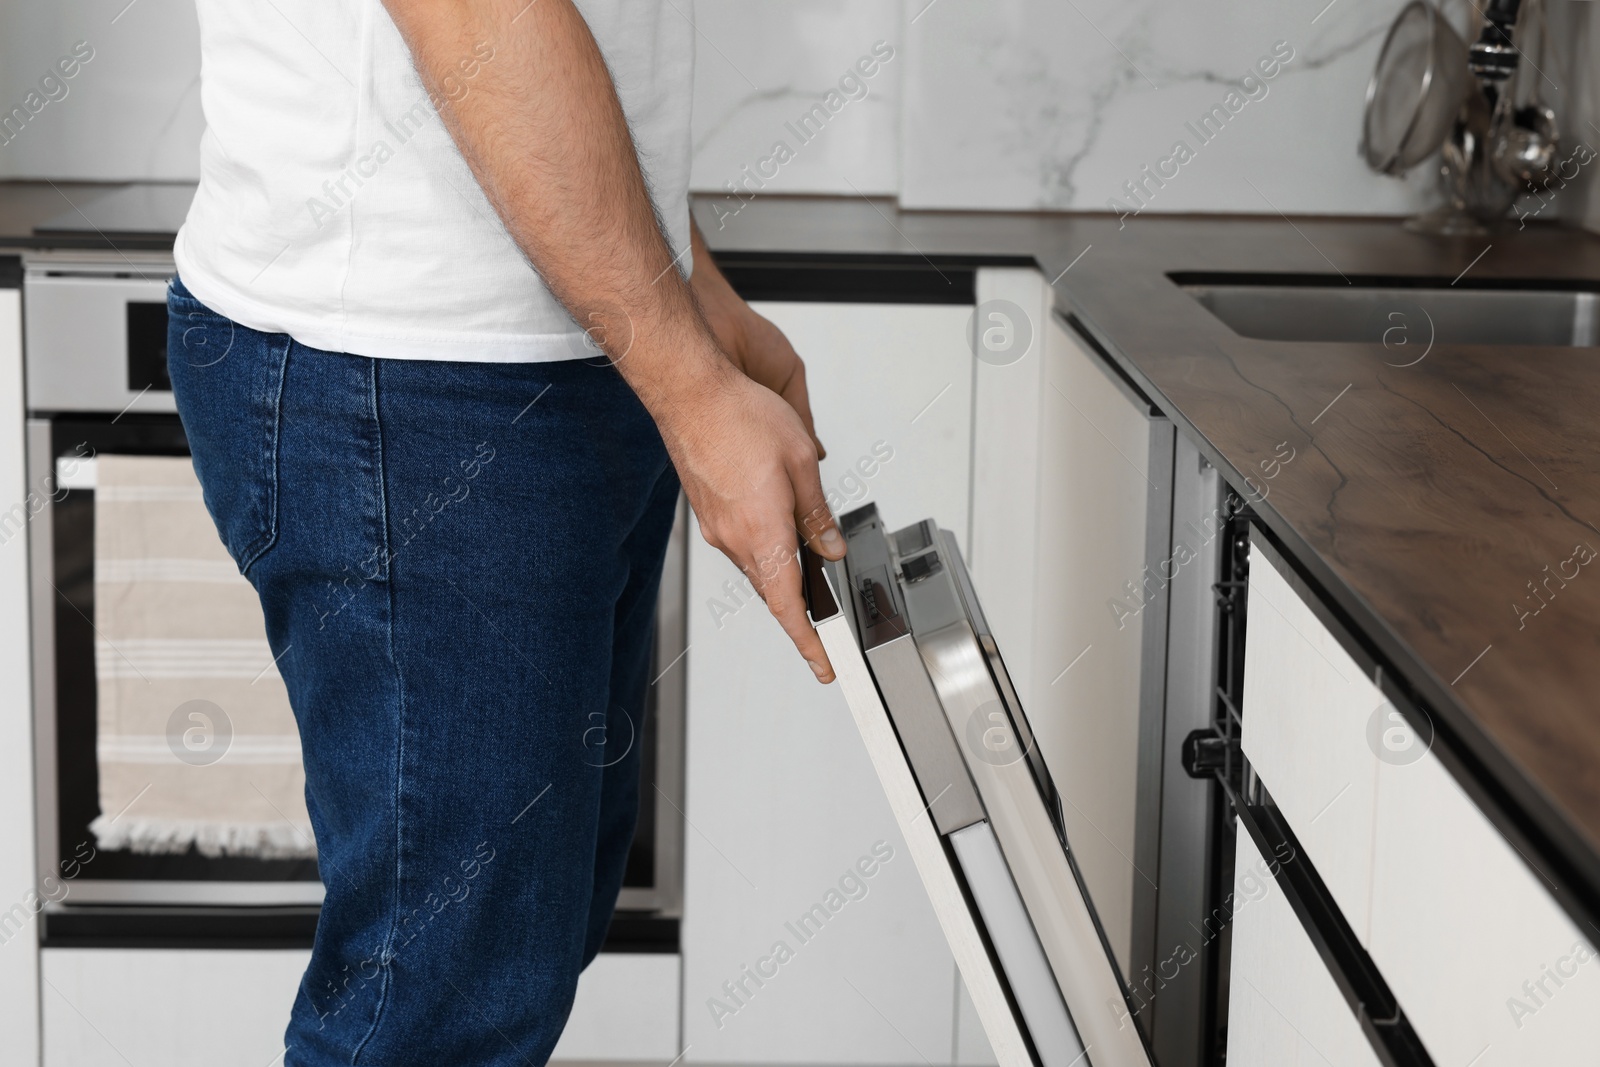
[{"x": 970, "y": 790}]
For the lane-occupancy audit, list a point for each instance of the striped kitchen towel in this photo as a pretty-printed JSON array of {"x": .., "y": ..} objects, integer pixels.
[{"x": 196, "y": 744}]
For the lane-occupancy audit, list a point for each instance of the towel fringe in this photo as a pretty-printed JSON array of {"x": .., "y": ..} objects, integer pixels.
[{"x": 271, "y": 840}]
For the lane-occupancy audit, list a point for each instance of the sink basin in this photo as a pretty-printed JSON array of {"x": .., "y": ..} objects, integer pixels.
[{"x": 1316, "y": 309}]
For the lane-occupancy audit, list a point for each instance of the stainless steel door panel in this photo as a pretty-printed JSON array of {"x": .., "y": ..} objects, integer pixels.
[
  {"x": 837, "y": 630},
  {"x": 911, "y": 699},
  {"x": 1016, "y": 944},
  {"x": 929, "y": 745},
  {"x": 42, "y": 617},
  {"x": 208, "y": 894},
  {"x": 76, "y": 327},
  {"x": 1009, "y": 785},
  {"x": 1177, "y": 1013},
  {"x": 1147, "y": 836},
  {"x": 1024, "y": 902}
]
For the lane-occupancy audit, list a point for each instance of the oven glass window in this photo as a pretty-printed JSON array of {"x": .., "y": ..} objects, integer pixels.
[
  {"x": 77, "y": 769},
  {"x": 77, "y": 773}
]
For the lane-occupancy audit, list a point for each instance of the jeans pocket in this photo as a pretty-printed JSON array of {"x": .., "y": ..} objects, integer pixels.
[{"x": 228, "y": 383}]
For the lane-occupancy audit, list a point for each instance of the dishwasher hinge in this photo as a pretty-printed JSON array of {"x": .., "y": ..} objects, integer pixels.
[{"x": 1208, "y": 754}]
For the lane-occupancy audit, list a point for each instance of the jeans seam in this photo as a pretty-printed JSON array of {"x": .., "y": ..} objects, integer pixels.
[
  {"x": 387, "y": 953},
  {"x": 257, "y": 548}
]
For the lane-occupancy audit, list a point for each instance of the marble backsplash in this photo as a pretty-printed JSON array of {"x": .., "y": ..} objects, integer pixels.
[
  {"x": 1064, "y": 103},
  {"x": 1061, "y": 104},
  {"x": 761, "y": 65},
  {"x": 1093, "y": 105},
  {"x": 1056, "y": 104}
]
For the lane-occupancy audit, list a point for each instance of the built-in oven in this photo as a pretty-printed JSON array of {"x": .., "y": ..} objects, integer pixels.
[{"x": 96, "y": 384}]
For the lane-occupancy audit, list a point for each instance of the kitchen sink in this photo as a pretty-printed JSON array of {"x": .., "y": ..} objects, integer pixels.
[{"x": 1315, "y": 309}]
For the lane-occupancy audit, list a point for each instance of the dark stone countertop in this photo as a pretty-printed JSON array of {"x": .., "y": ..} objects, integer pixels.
[
  {"x": 27, "y": 205},
  {"x": 1422, "y": 500}
]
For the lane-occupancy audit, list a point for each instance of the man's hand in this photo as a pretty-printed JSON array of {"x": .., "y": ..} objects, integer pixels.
[
  {"x": 750, "y": 470},
  {"x": 547, "y": 140},
  {"x": 754, "y": 344}
]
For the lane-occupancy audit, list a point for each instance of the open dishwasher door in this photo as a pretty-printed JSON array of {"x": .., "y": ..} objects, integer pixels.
[{"x": 941, "y": 721}]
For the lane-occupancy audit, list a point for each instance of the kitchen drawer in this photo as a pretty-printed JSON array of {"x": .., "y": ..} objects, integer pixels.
[
  {"x": 1489, "y": 968},
  {"x": 174, "y": 1007},
  {"x": 1283, "y": 1007},
  {"x": 229, "y": 1008},
  {"x": 1486, "y": 965},
  {"x": 1308, "y": 711}
]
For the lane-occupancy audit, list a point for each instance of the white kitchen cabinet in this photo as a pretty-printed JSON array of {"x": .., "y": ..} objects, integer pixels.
[
  {"x": 1072, "y": 479},
  {"x": 1489, "y": 968},
  {"x": 1009, "y": 409},
  {"x": 782, "y": 799},
  {"x": 229, "y": 1008},
  {"x": 638, "y": 990},
  {"x": 972, "y": 1047},
  {"x": 1307, "y": 710},
  {"x": 1003, "y": 542},
  {"x": 110, "y": 1007},
  {"x": 20, "y": 888},
  {"x": 1486, "y": 965},
  {"x": 1283, "y": 1007}
]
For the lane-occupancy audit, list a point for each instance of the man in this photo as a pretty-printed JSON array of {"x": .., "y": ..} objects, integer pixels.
[{"x": 454, "y": 512}]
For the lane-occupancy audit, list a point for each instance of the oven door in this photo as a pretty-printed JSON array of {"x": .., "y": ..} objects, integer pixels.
[
  {"x": 972, "y": 795},
  {"x": 97, "y": 384},
  {"x": 62, "y": 564},
  {"x": 61, "y": 454}
]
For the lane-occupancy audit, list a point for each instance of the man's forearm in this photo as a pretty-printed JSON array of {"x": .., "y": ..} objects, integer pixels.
[{"x": 546, "y": 137}]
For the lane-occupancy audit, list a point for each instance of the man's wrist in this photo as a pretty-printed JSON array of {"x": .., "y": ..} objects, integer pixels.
[{"x": 672, "y": 382}]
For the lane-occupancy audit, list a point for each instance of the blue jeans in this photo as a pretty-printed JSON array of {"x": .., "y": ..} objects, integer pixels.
[{"x": 457, "y": 563}]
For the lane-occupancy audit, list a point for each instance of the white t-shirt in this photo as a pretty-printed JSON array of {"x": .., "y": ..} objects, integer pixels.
[{"x": 334, "y": 207}]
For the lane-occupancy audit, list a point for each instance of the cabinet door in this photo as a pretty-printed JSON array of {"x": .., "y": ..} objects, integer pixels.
[
  {"x": 1100, "y": 623},
  {"x": 20, "y": 889},
  {"x": 1283, "y": 1007},
  {"x": 782, "y": 800},
  {"x": 1072, "y": 480},
  {"x": 1308, "y": 730},
  {"x": 228, "y": 1008},
  {"x": 645, "y": 987},
  {"x": 178, "y": 1008},
  {"x": 1489, "y": 968}
]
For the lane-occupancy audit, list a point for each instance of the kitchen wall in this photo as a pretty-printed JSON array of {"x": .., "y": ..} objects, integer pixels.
[
  {"x": 760, "y": 66},
  {"x": 1572, "y": 82},
  {"x": 1052, "y": 104},
  {"x": 1056, "y": 104},
  {"x": 130, "y": 109},
  {"x": 1031, "y": 104}
]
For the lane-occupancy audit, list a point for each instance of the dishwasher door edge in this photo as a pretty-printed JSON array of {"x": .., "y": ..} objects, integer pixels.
[{"x": 933, "y": 865}]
